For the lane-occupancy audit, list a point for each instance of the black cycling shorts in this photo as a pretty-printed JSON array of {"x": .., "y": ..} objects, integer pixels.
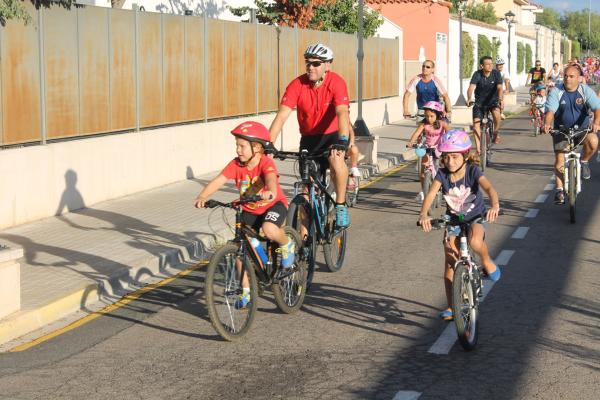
[
  {"x": 275, "y": 214},
  {"x": 319, "y": 143},
  {"x": 478, "y": 110}
]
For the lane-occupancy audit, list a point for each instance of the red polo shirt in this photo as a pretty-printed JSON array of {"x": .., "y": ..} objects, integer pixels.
[{"x": 316, "y": 106}]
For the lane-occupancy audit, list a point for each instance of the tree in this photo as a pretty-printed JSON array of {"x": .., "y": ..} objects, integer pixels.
[
  {"x": 15, "y": 9},
  {"x": 528, "y": 57},
  {"x": 484, "y": 47},
  {"x": 549, "y": 18},
  {"x": 482, "y": 12},
  {"x": 468, "y": 52},
  {"x": 520, "y": 57},
  {"x": 282, "y": 12},
  {"x": 576, "y": 49},
  {"x": 342, "y": 16},
  {"x": 575, "y": 24},
  {"x": 495, "y": 47}
]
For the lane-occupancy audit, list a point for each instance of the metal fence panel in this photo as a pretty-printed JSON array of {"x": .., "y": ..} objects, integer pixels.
[
  {"x": 150, "y": 69},
  {"x": 288, "y": 58},
  {"x": 216, "y": 66},
  {"x": 20, "y": 89},
  {"x": 122, "y": 70},
  {"x": 268, "y": 74},
  {"x": 94, "y": 81},
  {"x": 248, "y": 73},
  {"x": 233, "y": 68},
  {"x": 62, "y": 72},
  {"x": 195, "y": 67},
  {"x": 174, "y": 77},
  {"x": 344, "y": 63}
]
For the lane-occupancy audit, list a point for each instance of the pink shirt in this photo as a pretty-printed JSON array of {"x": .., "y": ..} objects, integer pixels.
[{"x": 432, "y": 135}]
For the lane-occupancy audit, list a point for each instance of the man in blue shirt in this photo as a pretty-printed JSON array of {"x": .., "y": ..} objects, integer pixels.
[{"x": 568, "y": 105}]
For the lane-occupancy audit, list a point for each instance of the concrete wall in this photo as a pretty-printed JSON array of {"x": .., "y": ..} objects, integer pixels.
[{"x": 42, "y": 181}]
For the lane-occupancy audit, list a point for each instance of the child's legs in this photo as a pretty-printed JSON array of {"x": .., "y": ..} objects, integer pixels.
[
  {"x": 353, "y": 153},
  {"x": 424, "y": 165},
  {"x": 244, "y": 277},
  {"x": 274, "y": 233},
  {"x": 451, "y": 255},
  {"x": 477, "y": 243}
]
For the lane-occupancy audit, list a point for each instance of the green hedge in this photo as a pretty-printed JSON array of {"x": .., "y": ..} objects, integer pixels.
[
  {"x": 520, "y": 57},
  {"x": 575, "y": 49},
  {"x": 495, "y": 48},
  {"x": 468, "y": 51},
  {"x": 484, "y": 47},
  {"x": 528, "y": 57}
]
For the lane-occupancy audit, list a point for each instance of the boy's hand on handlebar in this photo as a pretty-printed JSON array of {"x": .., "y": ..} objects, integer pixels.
[
  {"x": 200, "y": 202},
  {"x": 492, "y": 214}
]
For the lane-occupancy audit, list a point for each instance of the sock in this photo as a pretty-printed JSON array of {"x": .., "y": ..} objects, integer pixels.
[
  {"x": 246, "y": 291},
  {"x": 340, "y": 204},
  {"x": 584, "y": 162},
  {"x": 354, "y": 165}
]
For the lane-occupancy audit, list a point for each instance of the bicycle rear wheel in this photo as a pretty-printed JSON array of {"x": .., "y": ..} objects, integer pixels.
[
  {"x": 299, "y": 213},
  {"x": 427, "y": 182},
  {"x": 465, "y": 307},
  {"x": 223, "y": 288},
  {"x": 289, "y": 287},
  {"x": 572, "y": 190},
  {"x": 352, "y": 192}
]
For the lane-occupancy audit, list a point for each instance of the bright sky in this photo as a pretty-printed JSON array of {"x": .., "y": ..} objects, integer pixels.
[{"x": 569, "y": 5}]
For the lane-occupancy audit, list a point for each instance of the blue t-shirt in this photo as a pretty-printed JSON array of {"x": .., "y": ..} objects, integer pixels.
[
  {"x": 426, "y": 91},
  {"x": 455, "y": 193},
  {"x": 572, "y": 108}
]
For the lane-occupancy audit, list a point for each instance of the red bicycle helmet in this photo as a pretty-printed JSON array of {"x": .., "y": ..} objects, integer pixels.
[{"x": 253, "y": 132}]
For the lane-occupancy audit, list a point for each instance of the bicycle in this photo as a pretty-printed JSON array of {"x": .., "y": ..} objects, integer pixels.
[
  {"x": 238, "y": 259},
  {"x": 433, "y": 165},
  {"x": 538, "y": 121},
  {"x": 313, "y": 206},
  {"x": 467, "y": 285},
  {"x": 487, "y": 130},
  {"x": 572, "y": 167},
  {"x": 352, "y": 189}
]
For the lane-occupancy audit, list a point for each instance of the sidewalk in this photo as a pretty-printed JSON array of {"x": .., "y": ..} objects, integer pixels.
[{"x": 83, "y": 260}]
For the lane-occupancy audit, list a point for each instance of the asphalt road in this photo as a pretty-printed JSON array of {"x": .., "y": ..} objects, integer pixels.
[{"x": 366, "y": 331}]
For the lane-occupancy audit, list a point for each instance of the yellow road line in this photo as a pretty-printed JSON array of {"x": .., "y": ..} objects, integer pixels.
[
  {"x": 390, "y": 172},
  {"x": 111, "y": 307}
]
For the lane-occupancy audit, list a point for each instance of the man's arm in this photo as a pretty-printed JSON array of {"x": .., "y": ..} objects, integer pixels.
[
  {"x": 500, "y": 89},
  {"x": 405, "y": 103},
  {"x": 470, "y": 91},
  {"x": 277, "y": 124},
  {"x": 342, "y": 115},
  {"x": 548, "y": 121},
  {"x": 447, "y": 104}
]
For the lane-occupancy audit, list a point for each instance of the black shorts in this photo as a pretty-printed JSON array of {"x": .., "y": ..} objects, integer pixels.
[
  {"x": 560, "y": 142},
  {"x": 319, "y": 143},
  {"x": 275, "y": 215},
  {"x": 478, "y": 109}
]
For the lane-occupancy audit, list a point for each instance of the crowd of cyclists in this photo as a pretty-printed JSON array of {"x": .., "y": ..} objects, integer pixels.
[{"x": 320, "y": 97}]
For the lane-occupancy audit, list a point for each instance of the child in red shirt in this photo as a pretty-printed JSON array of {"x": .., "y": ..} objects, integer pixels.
[{"x": 255, "y": 174}]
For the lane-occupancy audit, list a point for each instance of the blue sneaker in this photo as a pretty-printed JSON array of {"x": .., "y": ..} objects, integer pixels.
[
  {"x": 447, "y": 315},
  {"x": 495, "y": 276},
  {"x": 288, "y": 254},
  {"x": 341, "y": 216},
  {"x": 242, "y": 301}
]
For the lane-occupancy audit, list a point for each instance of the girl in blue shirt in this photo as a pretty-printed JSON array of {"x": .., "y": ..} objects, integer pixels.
[{"x": 462, "y": 183}]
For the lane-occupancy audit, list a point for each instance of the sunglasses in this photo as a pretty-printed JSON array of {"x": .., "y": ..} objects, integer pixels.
[
  {"x": 313, "y": 63},
  {"x": 427, "y": 66}
]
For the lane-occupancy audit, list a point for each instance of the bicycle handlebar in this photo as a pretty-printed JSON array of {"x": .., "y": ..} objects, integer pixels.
[
  {"x": 233, "y": 204},
  {"x": 438, "y": 223},
  {"x": 303, "y": 154},
  {"x": 569, "y": 131}
]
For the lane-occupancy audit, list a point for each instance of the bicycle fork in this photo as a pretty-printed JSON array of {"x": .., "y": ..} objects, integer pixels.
[
  {"x": 474, "y": 278},
  {"x": 572, "y": 157}
]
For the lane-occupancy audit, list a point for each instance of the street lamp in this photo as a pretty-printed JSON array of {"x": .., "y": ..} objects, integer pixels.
[
  {"x": 360, "y": 127},
  {"x": 537, "y": 36},
  {"x": 509, "y": 17},
  {"x": 461, "y": 101}
]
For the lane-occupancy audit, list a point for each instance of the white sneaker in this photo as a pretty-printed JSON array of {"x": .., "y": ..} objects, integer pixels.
[
  {"x": 420, "y": 196},
  {"x": 354, "y": 171},
  {"x": 502, "y": 116}
]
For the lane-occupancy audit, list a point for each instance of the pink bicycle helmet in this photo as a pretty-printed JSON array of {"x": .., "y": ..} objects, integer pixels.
[
  {"x": 434, "y": 106},
  {"x": 455, "y": 141}
]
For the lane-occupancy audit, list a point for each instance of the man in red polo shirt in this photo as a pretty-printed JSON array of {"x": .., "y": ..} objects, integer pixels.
[{"x": 321, "y": 99}]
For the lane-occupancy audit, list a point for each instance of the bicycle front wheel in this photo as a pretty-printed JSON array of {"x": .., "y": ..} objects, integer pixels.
[
  {"x": 289, "y": 287},
  {"x": 230, "y": 317},
  {"x": 572, "y": 190},
  {"x": 299, "y": 218},
  {"x": 334, "y": 247},
  {"x": 465, "y": 307},
  {"x": 483, "y": 147},
  {"x": 427, "y": 182}
]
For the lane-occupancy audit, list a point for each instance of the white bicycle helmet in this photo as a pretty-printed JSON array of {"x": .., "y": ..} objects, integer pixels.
[
  {"x": 319, "y": 51},
  {"x": 500, "y": 60}
]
